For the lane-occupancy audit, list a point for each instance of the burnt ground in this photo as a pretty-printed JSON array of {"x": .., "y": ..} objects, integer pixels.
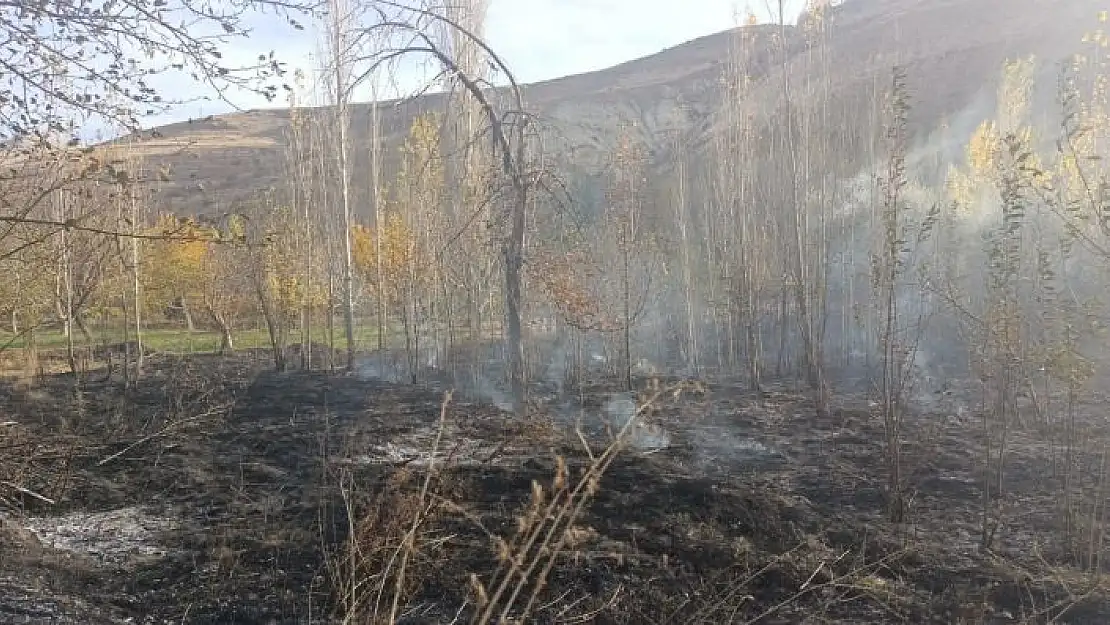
[{"x": 216, "y": 491}]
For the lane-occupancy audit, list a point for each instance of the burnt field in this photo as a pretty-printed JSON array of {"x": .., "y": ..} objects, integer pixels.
[{"x": 217, "y": 491}]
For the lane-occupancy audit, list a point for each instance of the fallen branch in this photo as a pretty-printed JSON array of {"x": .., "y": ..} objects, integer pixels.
[
  {"x": 31, "y": 493},
  {"x": 166, "y": 430}
]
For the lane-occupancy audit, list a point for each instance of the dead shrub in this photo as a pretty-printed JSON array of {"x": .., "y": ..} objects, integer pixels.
[
  {"x": 397, "y": 522},
  {"x": 394, "y": 543},
  {"x": 20, "y": 479}
]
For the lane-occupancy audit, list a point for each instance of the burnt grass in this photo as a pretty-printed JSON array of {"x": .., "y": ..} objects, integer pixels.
[{"x": 756, "y": 512}]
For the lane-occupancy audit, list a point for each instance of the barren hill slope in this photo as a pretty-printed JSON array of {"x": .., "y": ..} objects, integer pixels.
[{"x": 952, "y": 52}]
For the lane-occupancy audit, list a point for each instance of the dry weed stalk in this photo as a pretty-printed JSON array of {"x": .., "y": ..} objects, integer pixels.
[
  {"x": 377, "y": 571},
  {"x": 548, "y": 525}
]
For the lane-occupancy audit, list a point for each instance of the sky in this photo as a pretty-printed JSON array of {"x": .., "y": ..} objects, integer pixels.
[{"x": 538, "y": 39}]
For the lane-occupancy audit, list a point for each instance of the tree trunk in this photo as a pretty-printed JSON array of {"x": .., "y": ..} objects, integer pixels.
[
  {"x": 514, "y": 264},
  {"x": 127, "y": 355},
  {"x": 59, "y": 305},
  {"x": 754, "y": 346},
  {"x": 227, "y": 345},
  {"x": 514, "y": 338},
  {"x": 815, "y": 374},
  {"x": 187, "y": 313},
  {"x": 342, "y": 68},
  {"x": 306, "y": 338},
  {"x": 82, "y": 326},
  {"x": 31, "y": 354},
  {"x": 331, "y": 324},
  {"x": 626, "y": 305},
  {"x": 379, "y": 217},
  {"x": 67, "y": 274},
  {"x": 691, "y": 348},
  {"x": 273, "y": 327},
  {"x": 135, "y": 288}
]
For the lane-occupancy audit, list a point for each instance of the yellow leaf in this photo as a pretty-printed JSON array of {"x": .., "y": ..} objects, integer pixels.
[
  {"x": 399, "y": 263},
  {"x": 982, "y": 151}
]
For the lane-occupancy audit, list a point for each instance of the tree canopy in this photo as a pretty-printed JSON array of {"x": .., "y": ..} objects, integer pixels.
[{"x": 68, "y": 60}]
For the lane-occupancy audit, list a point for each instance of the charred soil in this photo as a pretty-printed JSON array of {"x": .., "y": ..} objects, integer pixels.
[{"x": 215, "y": 491}]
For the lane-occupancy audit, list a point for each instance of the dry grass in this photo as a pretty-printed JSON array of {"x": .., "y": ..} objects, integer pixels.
[
  {"x": 394, "y": 545},
  {"x": 16, "y": 448},
  {"x": 395, "y": 540},
  {"x": 392, "y": 542}
]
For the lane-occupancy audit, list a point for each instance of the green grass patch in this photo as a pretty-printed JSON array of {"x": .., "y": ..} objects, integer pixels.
[{"x": 181, "y": 341}]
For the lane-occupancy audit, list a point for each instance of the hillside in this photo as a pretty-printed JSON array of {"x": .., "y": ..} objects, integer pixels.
[{"x": 952, "y": 52}]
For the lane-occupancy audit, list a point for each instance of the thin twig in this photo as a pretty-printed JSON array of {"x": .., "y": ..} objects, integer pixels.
[
  {"x": 25, "y": 491},
  {"x": 166, "y": 430}
]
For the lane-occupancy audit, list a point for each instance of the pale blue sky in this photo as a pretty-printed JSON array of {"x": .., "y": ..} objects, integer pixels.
[{"x": 539, "y": 39}]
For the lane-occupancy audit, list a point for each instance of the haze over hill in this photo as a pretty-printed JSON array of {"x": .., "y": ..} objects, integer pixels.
[{"x": 952, "y": 52}]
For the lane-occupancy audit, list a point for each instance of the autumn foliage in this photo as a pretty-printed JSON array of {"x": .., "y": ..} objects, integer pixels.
[
  {"x": 569, "y": 282},
  {"x": 174, "y": 268},
  {"x": 398, "y": 250}
]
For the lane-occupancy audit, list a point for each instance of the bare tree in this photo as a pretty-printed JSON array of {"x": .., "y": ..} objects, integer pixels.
[
  {"x": 622, "y": 229},
  {"x": 412, "y": 30},
  {"x": 136, "y": 284},
  {"x": 467, "y": 169},
  {"x": 686, "y": 244},
  {"x": 746, "y": 265},
  {"x": 899, "y": 240},
  {"x": 798, "y": 270},
  {"x": 298, "y": 162},
  {"x": 341, "y": 24},
  {"x": 376, "y": 198}
]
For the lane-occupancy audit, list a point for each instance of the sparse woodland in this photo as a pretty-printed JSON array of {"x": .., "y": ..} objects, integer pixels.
[{"x": 818, "y": 270}]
